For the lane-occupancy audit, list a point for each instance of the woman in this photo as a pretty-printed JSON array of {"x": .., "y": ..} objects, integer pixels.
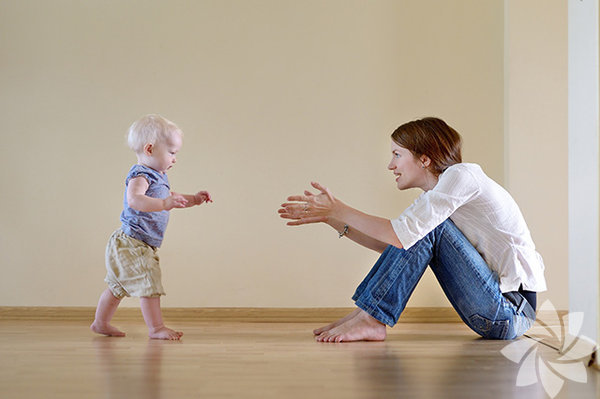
[{"x": 465, "y": 226}]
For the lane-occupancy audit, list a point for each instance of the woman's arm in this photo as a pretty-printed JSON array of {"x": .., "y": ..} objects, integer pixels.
[
  {"x": 375, "y": 232},
  {"x": 374, "y": 227},
  {"x": 357, "y": 236}
]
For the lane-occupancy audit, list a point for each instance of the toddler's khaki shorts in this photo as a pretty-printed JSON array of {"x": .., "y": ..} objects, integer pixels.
[{"x": 132, "y": 267}]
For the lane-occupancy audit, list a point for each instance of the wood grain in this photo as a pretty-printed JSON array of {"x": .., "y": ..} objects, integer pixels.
[
  {"x": 262, "y": 315},
  {"x": 228, "y": 359}
]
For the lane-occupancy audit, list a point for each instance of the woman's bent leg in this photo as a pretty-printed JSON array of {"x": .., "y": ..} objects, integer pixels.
[
  {"x": 385, "y": 291},
  {"x": 382, "y": 295},
  {"x": 470, "y": 285},
  {"x": 359, "y": 290},
  {"x": 473, "y": 288}
]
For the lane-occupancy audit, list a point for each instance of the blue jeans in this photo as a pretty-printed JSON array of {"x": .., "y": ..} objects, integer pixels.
[{"x": 471, "y": 286}]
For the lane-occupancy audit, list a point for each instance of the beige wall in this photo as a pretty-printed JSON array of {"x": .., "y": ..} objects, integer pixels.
[
  {"x": 536, "y": 130},
  {"x": 270, "y": 95}
]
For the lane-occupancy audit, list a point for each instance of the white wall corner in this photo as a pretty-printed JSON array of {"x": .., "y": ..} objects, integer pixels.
[{"x": 584, "y": 165}]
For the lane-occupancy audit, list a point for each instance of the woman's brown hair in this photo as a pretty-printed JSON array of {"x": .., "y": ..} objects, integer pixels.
[{"x": 431, "y": 137}]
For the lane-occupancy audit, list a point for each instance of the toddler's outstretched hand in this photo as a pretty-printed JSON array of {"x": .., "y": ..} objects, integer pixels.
[
  {"x": 175, "y": 200},
  {"x": 202, "y": 196}
]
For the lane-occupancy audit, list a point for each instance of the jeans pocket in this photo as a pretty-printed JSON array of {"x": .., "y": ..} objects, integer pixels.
[{"x": 491, "y": 329}]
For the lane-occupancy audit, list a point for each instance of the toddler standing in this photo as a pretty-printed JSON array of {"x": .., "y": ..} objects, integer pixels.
[{"x": 132, "y": 262}]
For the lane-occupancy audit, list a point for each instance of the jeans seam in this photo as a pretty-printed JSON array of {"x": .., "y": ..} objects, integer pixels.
[
  {"x": 373, "y": 312},
  {"x": 378, "y": 298},
  {"x": 456, "y": 249},
  {"x": 387, "y": 284}
]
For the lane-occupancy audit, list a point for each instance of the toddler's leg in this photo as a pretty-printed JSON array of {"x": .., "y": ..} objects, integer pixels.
[
  {"x": 107, "y": 305},
  {"x": 153, "y": 317}
]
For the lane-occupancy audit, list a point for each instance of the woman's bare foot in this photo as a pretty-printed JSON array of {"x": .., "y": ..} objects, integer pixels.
[
  {"x": 164, "y": 333},
  {"x": 106, "y": 329},
  {"x": 361, "y": 327},
  {"x": 344, "y": 319}
]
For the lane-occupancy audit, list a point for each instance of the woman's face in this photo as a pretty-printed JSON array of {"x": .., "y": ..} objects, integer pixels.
[{"x": 410, "y": 171}]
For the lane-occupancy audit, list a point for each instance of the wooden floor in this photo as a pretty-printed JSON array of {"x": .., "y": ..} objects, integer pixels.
[{"x": 51, "y": 359}]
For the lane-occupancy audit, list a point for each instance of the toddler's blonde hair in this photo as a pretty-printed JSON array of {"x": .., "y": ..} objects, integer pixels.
[{"x": 150, "y": 129}]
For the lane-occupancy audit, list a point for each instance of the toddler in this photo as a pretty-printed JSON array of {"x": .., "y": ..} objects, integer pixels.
[{"x": 132, "y": 262}]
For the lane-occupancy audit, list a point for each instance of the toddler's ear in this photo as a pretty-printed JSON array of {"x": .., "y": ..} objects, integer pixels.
[{"x": 148, "y": 148}]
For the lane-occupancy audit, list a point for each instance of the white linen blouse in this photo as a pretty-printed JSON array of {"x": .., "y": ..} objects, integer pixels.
[{"x": 489, "y": 218}]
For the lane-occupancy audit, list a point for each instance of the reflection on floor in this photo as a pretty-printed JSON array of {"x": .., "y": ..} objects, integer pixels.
[{"x": 48, "y": 359}]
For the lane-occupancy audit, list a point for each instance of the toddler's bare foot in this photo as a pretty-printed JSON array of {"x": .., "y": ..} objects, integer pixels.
[
  {"x": 361, "y": 327},
  {"x": 106, "y": 329},
  {"x": 328, "y": 327},
  {"x": 164, "y": 333}
]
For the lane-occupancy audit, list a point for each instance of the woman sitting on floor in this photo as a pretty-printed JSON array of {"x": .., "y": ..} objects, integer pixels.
[{"x": 465, "y": 226}]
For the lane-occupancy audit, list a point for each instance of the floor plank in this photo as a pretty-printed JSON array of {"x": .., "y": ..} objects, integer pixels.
[
  {"x": 278, "y": 315},
  {"x": 63, "y": 359}
]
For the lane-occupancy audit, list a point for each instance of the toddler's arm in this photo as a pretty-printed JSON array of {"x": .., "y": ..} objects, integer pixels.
[
  {"x": 196, "y": 199},
  {"x": 138, "y": 200}
]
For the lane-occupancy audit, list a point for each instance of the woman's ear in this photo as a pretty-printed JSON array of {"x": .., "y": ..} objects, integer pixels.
[
  {"x": 148, "y": 148},
  {"x": 425, "y": 160}
]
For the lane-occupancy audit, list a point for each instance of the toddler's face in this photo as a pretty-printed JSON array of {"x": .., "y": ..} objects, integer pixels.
[{"x": 163, "y": 155}]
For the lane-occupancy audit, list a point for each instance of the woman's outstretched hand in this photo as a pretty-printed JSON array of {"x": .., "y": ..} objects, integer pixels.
[{"x": 309, "y": 208}]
